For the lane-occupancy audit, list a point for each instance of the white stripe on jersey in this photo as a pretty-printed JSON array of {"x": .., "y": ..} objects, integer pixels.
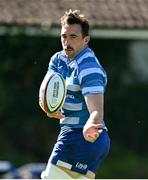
[
  {"x": 70, "y": 120},
  {"x": 96, "y": 89},
  {"x": 63, "y": 59},
  {"x": 88, "y": 71},
  {"x": 73, "y": 106},
  {"x": 73, "y": 87},
  {"x": 84, "y": 56},
  {"x": 69, "y": 80}
]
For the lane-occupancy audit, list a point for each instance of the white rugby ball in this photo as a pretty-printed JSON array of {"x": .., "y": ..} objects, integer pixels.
[{"x": 52, "y": 92}]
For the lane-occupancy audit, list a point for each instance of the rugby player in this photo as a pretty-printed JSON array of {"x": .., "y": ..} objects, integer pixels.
[{"x": 83, "y": 141}]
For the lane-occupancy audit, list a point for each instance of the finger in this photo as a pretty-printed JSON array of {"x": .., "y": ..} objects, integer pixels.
[
  {"x": 59, "y": 116},
  {"x": 49, "y": 115},
  {"x": 90, "y": 139},
  {"x": 98, "y": 126},
  {"x": 100, "y": 131},
  {"x": 93, "y": 136}
]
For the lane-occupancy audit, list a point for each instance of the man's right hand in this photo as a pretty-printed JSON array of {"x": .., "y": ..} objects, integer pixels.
[{"x": 57, "y": 115}]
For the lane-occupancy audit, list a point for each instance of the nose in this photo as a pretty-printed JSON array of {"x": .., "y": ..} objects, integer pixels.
[{"x": 67, "y": 41}]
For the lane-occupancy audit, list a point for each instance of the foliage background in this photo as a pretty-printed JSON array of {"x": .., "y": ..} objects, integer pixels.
[{"x": 27, "y": 135}]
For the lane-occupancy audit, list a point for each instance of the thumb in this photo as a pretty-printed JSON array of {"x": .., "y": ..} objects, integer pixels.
[{"x": 98, "y": 126}]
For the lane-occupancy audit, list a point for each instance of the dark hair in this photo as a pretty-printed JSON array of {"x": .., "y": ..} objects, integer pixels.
[{"x": 74, "y": 17}]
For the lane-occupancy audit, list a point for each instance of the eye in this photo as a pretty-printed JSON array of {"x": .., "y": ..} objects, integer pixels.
[
  {"x": 73, "y": 36},
  {"x": 63, "y": 36}
]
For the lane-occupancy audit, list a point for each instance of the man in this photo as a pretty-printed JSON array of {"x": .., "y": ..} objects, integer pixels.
[{"x": 83, "y": 141}]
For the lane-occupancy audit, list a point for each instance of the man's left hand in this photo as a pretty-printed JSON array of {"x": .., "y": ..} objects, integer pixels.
[{"x": 91, "y": 132}]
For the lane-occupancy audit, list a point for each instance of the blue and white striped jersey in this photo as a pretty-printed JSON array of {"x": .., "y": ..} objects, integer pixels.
[{"x": 84, "y": 75}]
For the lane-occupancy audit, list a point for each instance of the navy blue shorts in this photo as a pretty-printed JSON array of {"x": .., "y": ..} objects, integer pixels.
[{"x": 74, "y": 152}]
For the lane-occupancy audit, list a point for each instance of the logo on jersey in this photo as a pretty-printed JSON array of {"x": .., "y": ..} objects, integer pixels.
[
  {"x": 81, "y": 166},
  {"x": 70, "y": 96}
]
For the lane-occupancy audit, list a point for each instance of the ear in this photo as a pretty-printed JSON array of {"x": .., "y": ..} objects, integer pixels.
[{"x": 86, "y": 39}]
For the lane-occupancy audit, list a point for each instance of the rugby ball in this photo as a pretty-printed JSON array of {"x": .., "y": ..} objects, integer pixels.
[{"x": 52, "y": 92}]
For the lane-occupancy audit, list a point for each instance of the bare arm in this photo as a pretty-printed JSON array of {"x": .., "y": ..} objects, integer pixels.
[{"x": 95, "y": 105}]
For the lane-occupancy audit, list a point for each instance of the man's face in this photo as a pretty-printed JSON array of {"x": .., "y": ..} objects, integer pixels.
[{"x": 72, "y": 40}]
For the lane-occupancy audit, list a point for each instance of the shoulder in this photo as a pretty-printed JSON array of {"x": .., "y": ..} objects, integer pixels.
[
  {"x": 58, "y": 56},
  {"x": 57, "y": 60},
  {"x": 90, "y": 69},
  {"x": 87, "y": 54},
  {"x": 88, "y": 60}
]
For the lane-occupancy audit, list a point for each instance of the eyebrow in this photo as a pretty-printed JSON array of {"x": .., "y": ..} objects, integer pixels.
[{"x": 73, "y": 35}]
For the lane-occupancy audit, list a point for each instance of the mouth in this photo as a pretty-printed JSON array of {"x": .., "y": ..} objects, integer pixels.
[{"x": 69, "y": 49}]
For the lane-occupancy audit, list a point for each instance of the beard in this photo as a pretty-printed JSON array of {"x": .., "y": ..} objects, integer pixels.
[{"x": 69, "y": 51}]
